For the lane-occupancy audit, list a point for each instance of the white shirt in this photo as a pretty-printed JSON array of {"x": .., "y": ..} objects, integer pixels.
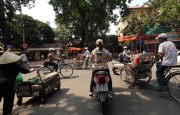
[
  {"x": 23, "y": 57},
  {"x": 87, "y": 53},
  {"x": 168, "y": 49}
]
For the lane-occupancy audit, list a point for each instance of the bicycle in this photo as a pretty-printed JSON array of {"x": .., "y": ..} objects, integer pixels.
[
  {"x": 79, "y": 63},
  {"x": 65, "y": 69},
  {"x": 173, "y": 82}
]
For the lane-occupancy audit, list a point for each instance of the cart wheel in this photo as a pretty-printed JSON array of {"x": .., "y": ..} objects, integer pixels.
[
  {"x": 19, "y": 101},
  {"x": 44, "y": 100}
]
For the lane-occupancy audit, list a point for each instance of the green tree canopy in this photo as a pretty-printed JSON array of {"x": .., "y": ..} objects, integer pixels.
[
  {"x": 86, "y": 18},
  {"x": 161, "y": 16},
  {"x": 8, "y": 9}
]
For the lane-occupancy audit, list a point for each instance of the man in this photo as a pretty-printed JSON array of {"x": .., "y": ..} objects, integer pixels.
[
  {"x": 51, "y": 57},
  {"x": 87, "y": 55},
  {"x": 100, "y": 56},
  {"x": 24, "y": 61},
  {"x": 167, "y": 53},
  {"x": 126, "y": 56}
]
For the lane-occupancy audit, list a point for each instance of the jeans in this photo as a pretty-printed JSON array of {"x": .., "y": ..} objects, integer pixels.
[
  {"x": 54, "y": 65},
  {"x": 92, "y": 83},
  {"x": 160, "y": 75}
]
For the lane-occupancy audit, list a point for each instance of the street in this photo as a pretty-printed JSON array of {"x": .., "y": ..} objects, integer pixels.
[{"x": 73, "y": 99}]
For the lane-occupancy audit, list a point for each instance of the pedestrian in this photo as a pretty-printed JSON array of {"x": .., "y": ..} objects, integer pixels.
[
  {"x": 9, "y": 70},
  {"x": 167, "y": 53},
  {"x": 42, "y": 57},
  {"x": 87, "y": 55},
  {"x": 24, "y": 61}
]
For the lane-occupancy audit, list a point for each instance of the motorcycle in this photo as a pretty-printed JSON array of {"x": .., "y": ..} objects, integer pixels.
[
  {"x": 100, "y": 89},
  {"x": 117, "y": 66}
]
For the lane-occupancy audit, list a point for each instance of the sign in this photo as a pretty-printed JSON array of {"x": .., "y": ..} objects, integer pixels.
[
  {"x": 9, "y": 46},
  {"x": 24, "y": 45}
]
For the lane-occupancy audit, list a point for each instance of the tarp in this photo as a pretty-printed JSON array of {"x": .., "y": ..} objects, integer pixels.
[{"x": 135, "y": 37}]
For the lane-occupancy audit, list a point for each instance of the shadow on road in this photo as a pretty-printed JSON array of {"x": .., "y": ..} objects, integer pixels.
[{"x": 53, "y": 97}]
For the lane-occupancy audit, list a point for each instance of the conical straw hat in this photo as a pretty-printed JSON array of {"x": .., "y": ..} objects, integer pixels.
[{"x": 9, "y": 57}]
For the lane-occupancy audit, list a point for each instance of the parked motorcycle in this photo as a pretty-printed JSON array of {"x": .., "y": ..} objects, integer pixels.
[
  {"x": 117, "y": 66},
  {"x": 100, "y": 90}
]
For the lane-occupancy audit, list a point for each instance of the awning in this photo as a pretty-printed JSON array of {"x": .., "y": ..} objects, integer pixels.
[
  {"x": 70, "y": 49},
  {"x": 135, "y": 37}
]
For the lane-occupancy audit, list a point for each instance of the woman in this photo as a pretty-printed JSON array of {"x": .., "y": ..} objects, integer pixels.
[{"x": 9, "y": 69}]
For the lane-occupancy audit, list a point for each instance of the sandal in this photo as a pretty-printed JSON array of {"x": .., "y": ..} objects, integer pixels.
[{"x": 160, "y": 89}]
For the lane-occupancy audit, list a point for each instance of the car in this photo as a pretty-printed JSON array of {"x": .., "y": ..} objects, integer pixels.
[{"x": 178, "y": 58}]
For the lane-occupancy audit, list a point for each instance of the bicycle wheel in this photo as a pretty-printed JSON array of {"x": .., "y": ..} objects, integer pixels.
[
  {"x": 173, "y": 86},
  {"x": 127, "y": 77},
  {"x": 43, "y": 71},
  {"x": 66, "y": 70}
]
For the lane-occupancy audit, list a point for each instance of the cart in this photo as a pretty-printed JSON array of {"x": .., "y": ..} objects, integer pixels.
[{"x": 39, "y": 86}]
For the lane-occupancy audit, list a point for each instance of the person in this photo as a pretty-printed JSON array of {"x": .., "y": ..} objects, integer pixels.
[
  {"x": 9, "y": 70},
  {"x": 51, "y": 57},
  {"x": 24, "y": 61},
  {"x": 167, "y": 54},
  {"x": 87, "y": 55},
  {"x": 42, "y": 57},
  {"x": 100, "y": 56},
  {"x": 136, "y": 58},
  {"x": 124, "y": 56}
]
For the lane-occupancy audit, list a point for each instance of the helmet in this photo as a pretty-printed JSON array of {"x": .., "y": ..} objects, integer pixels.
[
  {"x": 98, "y": 41},
  {"x": 125, "y": 47},
  {"x": 51, "y": 49}
]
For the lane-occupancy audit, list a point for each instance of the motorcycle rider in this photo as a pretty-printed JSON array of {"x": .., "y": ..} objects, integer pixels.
[{"x": 100, "y": 56}]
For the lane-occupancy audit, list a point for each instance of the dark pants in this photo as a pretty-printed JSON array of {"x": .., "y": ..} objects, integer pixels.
[
  {"x": 7, "y": 93},
  {"x": 53, "y": 64},
  {"x": 160, "y": 75},
  {"x": 92, "y": 83}
]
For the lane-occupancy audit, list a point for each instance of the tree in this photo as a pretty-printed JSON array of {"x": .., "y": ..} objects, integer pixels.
[
  {"x": 86, "y": 18},
  {"x": 7, "y": 11},
  {"x": 34, "y": 31},
  {"x": 161, "y": 16}
]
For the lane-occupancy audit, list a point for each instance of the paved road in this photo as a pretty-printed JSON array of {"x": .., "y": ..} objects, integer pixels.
[{"x": 73, "y": 99}]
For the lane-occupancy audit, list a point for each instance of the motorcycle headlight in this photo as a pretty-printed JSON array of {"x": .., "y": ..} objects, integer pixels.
[{"x": 96, "y": 80}]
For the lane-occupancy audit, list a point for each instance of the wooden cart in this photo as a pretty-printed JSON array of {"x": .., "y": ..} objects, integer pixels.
[{"x": 38, "y": 86}]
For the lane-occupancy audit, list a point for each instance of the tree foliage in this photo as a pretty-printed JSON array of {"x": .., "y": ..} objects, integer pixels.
[
  {"x": 8, "y": 9},
  {"x": 161, "y": 16},
  {"x": 86, "y": 18}
]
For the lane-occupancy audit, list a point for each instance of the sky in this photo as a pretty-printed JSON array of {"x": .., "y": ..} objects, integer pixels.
[{"x": 44, "y": 12}]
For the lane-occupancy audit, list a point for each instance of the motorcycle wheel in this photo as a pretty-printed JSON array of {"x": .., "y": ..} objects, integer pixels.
[
  {"x": 116, "y": 71},
  {"x": 104, "y": 107}
]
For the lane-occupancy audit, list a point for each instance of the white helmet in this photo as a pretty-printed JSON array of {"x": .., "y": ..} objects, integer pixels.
[
  {"x": 98, "y": 41},
  {"x": 51, "y": 49},
  {"x": 125, "y": 47}
]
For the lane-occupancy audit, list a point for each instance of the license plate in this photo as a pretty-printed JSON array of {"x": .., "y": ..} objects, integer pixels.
[{"x": 102, "y": 87}]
